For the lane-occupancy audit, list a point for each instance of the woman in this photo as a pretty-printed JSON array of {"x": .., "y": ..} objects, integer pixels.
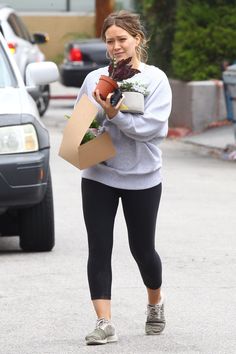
[{"x": 133, "y": 176}]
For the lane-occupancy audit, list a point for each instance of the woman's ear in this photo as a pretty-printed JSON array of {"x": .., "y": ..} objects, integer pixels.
[{"x": 138, "y": 40}]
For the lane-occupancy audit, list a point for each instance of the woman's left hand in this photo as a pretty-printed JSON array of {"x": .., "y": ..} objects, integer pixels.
[{"x": 106, "y": 105}]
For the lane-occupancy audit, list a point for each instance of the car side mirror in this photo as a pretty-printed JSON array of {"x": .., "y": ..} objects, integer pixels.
[
  {"x": 41, "y": 73},
  {"x": 40, "y": 38}
]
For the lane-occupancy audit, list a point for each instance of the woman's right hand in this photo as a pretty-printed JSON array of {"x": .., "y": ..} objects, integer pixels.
[{"x": 110, "y": 111}]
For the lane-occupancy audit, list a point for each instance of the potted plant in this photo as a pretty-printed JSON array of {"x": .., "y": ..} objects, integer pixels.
[
  {"x": 134, "y": 94},
  {"x": 118, "y": 71}
]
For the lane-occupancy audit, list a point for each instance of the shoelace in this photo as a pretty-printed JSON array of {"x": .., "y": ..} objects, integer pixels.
[
  {"x": 100, "y": 322},
  {"x": 154, "y": 312}
]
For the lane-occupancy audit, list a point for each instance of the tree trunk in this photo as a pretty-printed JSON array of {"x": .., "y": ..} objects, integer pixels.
[{"x": 103, "y": 8}]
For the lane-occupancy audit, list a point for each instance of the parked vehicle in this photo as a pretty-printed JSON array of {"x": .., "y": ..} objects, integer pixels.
[
  {"x": 81, "y": 57},
  {"x": 24, "y": 47},
  {"x": 26, "y": 200}
]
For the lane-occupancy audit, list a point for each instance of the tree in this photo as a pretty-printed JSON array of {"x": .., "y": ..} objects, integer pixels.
[
  {"x": 103, "y": 8},
  {"x": 159, "y": 20},
  {"x": 189, "y": 39}
]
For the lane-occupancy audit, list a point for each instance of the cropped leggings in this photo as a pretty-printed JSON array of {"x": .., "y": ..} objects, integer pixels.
[{"x": 100, "y": 203}]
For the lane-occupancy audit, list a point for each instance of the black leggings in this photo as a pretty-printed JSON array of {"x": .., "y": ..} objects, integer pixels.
[{"x": 140, "y": 208}]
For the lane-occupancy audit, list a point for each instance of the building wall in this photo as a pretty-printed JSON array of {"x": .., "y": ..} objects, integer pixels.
[
  {"x": 60, "y": 28},
  {"x": 53, "y": 18}
]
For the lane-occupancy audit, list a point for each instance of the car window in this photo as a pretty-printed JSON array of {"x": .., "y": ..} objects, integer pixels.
[
  {"x": 24, "y": 30},
  {"x": 7, "y": 77},
  {"x": 18, "y": 27},
  {"x": 14, "y": 25}
]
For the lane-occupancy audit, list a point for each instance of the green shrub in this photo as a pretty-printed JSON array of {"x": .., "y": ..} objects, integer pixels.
[
  {"x": 205, "y": 36},
  {"x": 189, "y": 39}
]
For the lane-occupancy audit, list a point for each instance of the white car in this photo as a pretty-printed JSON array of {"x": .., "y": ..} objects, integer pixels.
[
  {"x": 26, "y": 200},
  {"x": 24, "y": 48}
]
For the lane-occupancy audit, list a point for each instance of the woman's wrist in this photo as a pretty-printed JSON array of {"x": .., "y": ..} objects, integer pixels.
[{"x": 111, "y": 113}]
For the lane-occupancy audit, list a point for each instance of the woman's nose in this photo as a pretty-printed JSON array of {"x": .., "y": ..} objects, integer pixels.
[{"x": 116, "y": 44}]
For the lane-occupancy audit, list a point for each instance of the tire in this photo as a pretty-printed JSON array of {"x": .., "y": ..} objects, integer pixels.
[
  {"x": 37, "y": 224},
  {"x": 43, "y": 101}
]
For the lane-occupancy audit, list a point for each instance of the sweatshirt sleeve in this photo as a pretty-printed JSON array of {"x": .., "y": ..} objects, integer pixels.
[{"x": 154, "y": 122}]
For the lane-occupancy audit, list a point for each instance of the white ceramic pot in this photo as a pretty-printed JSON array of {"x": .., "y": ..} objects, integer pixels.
[{"x": 133, "y": 103}]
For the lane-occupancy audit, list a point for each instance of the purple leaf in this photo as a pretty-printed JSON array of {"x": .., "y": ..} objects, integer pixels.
[{"x": 122, "y": 70}]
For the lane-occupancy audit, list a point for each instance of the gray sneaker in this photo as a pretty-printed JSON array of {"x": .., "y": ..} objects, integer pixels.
[
  {"x": 103, "y": 333},
  {"x": 156, "y": 322}
]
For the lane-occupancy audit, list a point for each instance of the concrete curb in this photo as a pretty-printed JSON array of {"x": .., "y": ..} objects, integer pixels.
[
  {"x": 178, "y": 132},
  {"x": 63, "y": 97}
]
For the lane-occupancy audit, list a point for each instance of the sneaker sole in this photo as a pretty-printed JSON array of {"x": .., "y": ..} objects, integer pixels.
[
  {"x": 110, "y": 339},
  {"x": 151, "y": 330}
]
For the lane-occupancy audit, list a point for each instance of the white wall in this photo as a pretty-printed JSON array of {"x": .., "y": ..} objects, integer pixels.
[
  {"x": 42, "y": 5},
  {"x": 84, "y": 6}
]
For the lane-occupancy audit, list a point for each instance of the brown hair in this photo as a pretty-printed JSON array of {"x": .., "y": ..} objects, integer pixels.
[{"x": 130, "y": 22}]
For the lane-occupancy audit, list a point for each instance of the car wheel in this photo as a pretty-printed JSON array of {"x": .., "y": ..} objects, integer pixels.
[
  {"x": 37, "y": 224},
  {"x": 43, "y": 100}
]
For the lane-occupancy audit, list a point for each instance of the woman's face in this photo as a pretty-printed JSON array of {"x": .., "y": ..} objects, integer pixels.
[{"x": 120, "y": 44}]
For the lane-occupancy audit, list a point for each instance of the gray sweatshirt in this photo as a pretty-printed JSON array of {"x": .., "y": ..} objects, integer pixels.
[{"x": 136, "y": 137}]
